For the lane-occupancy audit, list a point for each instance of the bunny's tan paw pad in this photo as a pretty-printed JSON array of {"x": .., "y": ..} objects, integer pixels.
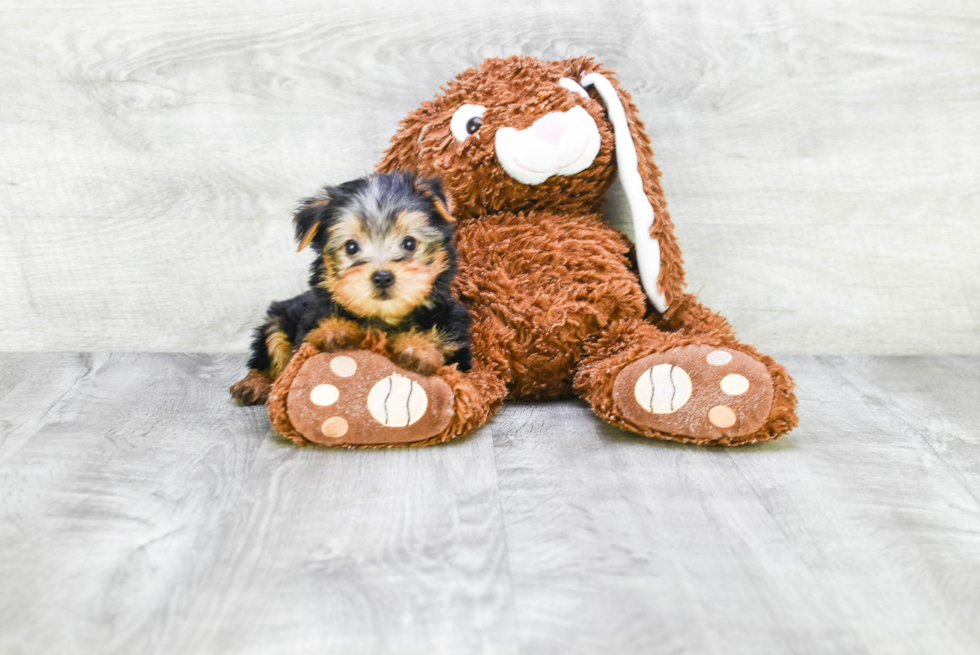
[
  {"x": 709, "y": 394},
  {"x": 358, "y": 397}
]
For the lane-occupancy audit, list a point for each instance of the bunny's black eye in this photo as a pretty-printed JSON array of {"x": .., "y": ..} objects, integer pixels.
[
  {"x": 466, "y": 121},
  {"x": 409, "y": 244},
  {"x": 351, "y": 248}
]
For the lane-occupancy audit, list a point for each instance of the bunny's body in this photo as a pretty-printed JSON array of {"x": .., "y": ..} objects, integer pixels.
[{"x": 541, "y": 286}]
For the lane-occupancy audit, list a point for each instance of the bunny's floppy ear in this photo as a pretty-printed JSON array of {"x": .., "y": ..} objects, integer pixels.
[{"x": 658, "y": 255}]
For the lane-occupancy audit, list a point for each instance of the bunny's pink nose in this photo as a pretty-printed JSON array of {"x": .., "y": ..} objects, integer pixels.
[{"x": 550, "y": 127}]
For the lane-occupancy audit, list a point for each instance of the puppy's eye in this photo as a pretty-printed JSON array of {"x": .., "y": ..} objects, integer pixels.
[
  {"x": 409, "y": 244},
  {"x": 351, "y": 248},
  {"x": 466, "y": 121}
]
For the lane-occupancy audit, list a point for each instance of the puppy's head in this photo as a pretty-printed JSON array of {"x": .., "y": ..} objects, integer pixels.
[{"x": 383, "y": 242}]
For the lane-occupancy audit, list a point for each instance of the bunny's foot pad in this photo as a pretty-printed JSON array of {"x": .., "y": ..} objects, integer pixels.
[
  {"x": 707, "y": 393},
  {"x": 358, "y": 397}
]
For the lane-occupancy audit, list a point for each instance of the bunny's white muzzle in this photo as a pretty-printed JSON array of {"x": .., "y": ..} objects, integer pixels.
[{"x": 558, "y": 143}]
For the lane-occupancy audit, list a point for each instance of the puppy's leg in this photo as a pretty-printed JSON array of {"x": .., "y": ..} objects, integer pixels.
[
  {"x": 271, "y": 350},
  {"x": 422, "y": 352},
  {"x": 334, "y": 333},
  {"x": 253, "y": 389},
  {"x": 455, "y": 330}
]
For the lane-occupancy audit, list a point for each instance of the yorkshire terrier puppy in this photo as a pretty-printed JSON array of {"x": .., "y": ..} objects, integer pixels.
[{"x": 385, "y": 260}]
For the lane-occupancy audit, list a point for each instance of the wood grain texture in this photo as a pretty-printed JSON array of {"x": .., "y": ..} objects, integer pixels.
[
  {"x": 142, "y": 512},
  {"x": 820, "y": 158},
  {"x": 858, "y": 533}
]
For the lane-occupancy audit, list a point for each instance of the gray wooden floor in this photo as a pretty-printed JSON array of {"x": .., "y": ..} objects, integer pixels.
[{"x": 141, "y": 512}]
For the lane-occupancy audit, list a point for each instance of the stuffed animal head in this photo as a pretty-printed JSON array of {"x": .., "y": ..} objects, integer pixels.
[{"x": 519, "y": 134}]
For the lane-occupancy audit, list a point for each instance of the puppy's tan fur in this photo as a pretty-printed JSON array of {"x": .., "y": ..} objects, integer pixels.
[{"x": 348, "y": 278}]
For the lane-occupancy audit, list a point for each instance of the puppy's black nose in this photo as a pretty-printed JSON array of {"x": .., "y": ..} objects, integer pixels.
[{"x": 383, "y": 279}]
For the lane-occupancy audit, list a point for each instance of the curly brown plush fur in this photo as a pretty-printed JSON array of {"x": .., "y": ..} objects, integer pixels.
[{"x": 556, "y": 303}]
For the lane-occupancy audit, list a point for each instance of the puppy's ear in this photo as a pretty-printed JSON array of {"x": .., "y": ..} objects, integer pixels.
[
  {"x": 431, "y": 187},
  {"x": 658, "y": 254},
  {"x": 309, "y": 218}
]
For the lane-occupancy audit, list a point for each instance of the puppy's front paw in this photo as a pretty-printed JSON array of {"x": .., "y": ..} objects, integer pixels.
[
  {"x": 253, "y": 389},
  {"x": 333, "y": 334},
  {"x": 418, "y": 352}
]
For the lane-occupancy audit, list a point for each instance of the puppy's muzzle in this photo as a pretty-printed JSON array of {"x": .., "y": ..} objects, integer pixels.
[{"x": 382, "y": 280}]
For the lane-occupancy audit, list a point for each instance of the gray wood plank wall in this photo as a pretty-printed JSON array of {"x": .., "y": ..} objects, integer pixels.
[{"x": 821, "y": 157}]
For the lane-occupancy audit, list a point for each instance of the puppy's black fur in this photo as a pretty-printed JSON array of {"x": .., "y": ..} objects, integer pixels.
[{"x": 376, "y": 200}]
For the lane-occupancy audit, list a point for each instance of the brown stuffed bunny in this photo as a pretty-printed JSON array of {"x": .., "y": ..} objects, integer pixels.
[{"x": 561, "y": 303}]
